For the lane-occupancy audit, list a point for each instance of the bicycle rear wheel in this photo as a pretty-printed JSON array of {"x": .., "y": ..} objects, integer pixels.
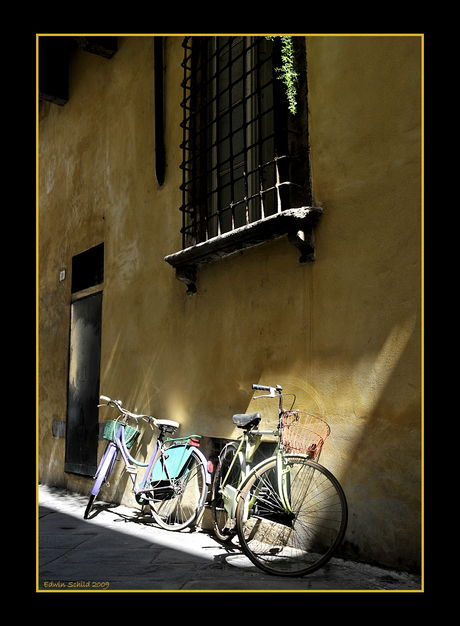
[
  {"x": 223, "y": 522},
  {"x": 298, "y": 542},
  {"x": 178, "y": 506}
]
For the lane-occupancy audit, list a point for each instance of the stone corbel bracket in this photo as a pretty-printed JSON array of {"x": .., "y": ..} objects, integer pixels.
[{"x": 297, "y": 224}]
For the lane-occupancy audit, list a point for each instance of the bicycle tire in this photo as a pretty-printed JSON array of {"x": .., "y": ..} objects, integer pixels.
[
  {"x": 102, "y": 474},
  {"x": 297, "y": 543},
  {"x": 223, "y": 523},
  {"x": 186, "y": 498}
]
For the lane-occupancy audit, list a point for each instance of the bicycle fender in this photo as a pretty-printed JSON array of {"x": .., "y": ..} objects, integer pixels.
[
  {"x": 205, "y": 462},
  {"x": 105, "y": 464},
  {"x": 183, "y": 454},
  {"x": 253, "y": 471},
  {"x": 261, "y": 465}
]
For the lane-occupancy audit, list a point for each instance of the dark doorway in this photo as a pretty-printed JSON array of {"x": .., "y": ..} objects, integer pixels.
[{"x": 83, "y": 392}]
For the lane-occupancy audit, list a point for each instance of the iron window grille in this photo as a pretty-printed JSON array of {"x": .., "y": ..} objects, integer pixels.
[
  {"x": 245, "y": 164},
  {"x": 235, "y": 148}
]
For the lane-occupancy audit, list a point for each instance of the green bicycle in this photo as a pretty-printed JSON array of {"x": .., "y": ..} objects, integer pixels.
[{"x": 289, "y": 512}]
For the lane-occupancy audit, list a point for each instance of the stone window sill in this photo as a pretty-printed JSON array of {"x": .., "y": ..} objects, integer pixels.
[{"x": 297, "y": 224}]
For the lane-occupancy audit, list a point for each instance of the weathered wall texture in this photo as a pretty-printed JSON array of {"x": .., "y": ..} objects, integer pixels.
[{"x": 342, "y": 333}]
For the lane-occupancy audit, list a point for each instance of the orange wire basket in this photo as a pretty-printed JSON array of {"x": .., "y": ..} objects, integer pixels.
[{"x": 303, "y": 432}]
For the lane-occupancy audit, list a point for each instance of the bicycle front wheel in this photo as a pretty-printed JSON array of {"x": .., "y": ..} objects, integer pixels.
[
  {"x": 298, "y": 541},
  {"x": 102, "y": 475},
  {"x": 178, "y": 506}
]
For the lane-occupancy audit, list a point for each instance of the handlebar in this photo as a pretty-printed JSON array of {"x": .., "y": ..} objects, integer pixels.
[
  {"x": 118, "y": 405},
  {"x": 272, "y": 394},
  {"x": 271, "y": 390},
  {"x": 261, "y": 387}
]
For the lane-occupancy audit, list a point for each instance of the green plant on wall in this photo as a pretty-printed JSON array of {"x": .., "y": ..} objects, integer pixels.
[{"x": 287, "y": 72}]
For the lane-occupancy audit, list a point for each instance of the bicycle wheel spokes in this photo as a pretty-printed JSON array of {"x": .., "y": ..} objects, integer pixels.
[
  {"x": 178, "y": 506},
  {"x": 265, "y": 503},
  {"x": 298, "y": 542}
]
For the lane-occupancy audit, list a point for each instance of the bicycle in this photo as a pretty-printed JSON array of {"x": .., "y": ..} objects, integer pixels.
[
  {"x": 175, "y": 483},
  {"x": 289, "y": 512}
]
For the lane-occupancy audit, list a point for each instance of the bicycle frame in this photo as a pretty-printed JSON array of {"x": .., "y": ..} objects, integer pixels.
[
  {"x": 245, "y": 453},
  {"x": 283, "y": 481},
  {"x": 120, "y": 445}
]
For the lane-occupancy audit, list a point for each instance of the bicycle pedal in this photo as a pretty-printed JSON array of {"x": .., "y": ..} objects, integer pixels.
[{"x": 131, "y": 469}]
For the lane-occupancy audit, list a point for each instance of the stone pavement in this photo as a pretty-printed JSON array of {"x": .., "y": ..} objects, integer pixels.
[{"x": 119, "y": 550}]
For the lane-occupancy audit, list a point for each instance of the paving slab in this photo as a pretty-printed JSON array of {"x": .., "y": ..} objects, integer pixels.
[{"x": 120, "y": 550}]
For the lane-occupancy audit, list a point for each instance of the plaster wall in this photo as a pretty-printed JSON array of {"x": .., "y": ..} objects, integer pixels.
[{"x": 342, "y": 333}]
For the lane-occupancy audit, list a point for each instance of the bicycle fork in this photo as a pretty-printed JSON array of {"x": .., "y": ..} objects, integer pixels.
[{"x": 283, "y": 473}]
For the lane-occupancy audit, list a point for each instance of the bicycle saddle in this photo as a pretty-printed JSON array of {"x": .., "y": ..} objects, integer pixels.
[
  {"x": 246, "y": 420},
  {"x": 166, "y": 425}
]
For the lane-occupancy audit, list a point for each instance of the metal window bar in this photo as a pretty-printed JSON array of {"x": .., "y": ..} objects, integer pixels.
[
  {"x": 230, "y": 130},
  {"x": 245, "y": 139},
  {"x": 231, "y": 169}
]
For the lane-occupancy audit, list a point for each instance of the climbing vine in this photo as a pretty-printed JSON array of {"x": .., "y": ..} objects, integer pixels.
[{"x": 287, "y": 72}]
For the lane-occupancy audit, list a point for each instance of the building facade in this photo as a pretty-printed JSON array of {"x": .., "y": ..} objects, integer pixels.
[{"x": 197, "y": 236}]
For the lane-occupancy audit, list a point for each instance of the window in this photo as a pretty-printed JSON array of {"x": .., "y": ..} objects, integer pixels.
[
  {"x": 88, "y": 268},
  {"x": 245, "y": 157},
  {"x": 229, "y": 139}
]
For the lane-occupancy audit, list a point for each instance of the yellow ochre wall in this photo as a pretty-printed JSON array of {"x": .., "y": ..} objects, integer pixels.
[{"x": 342, "y": 333}]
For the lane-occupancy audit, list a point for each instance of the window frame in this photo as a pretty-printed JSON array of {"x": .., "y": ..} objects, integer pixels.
[{"x": 294, "y": 214}]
